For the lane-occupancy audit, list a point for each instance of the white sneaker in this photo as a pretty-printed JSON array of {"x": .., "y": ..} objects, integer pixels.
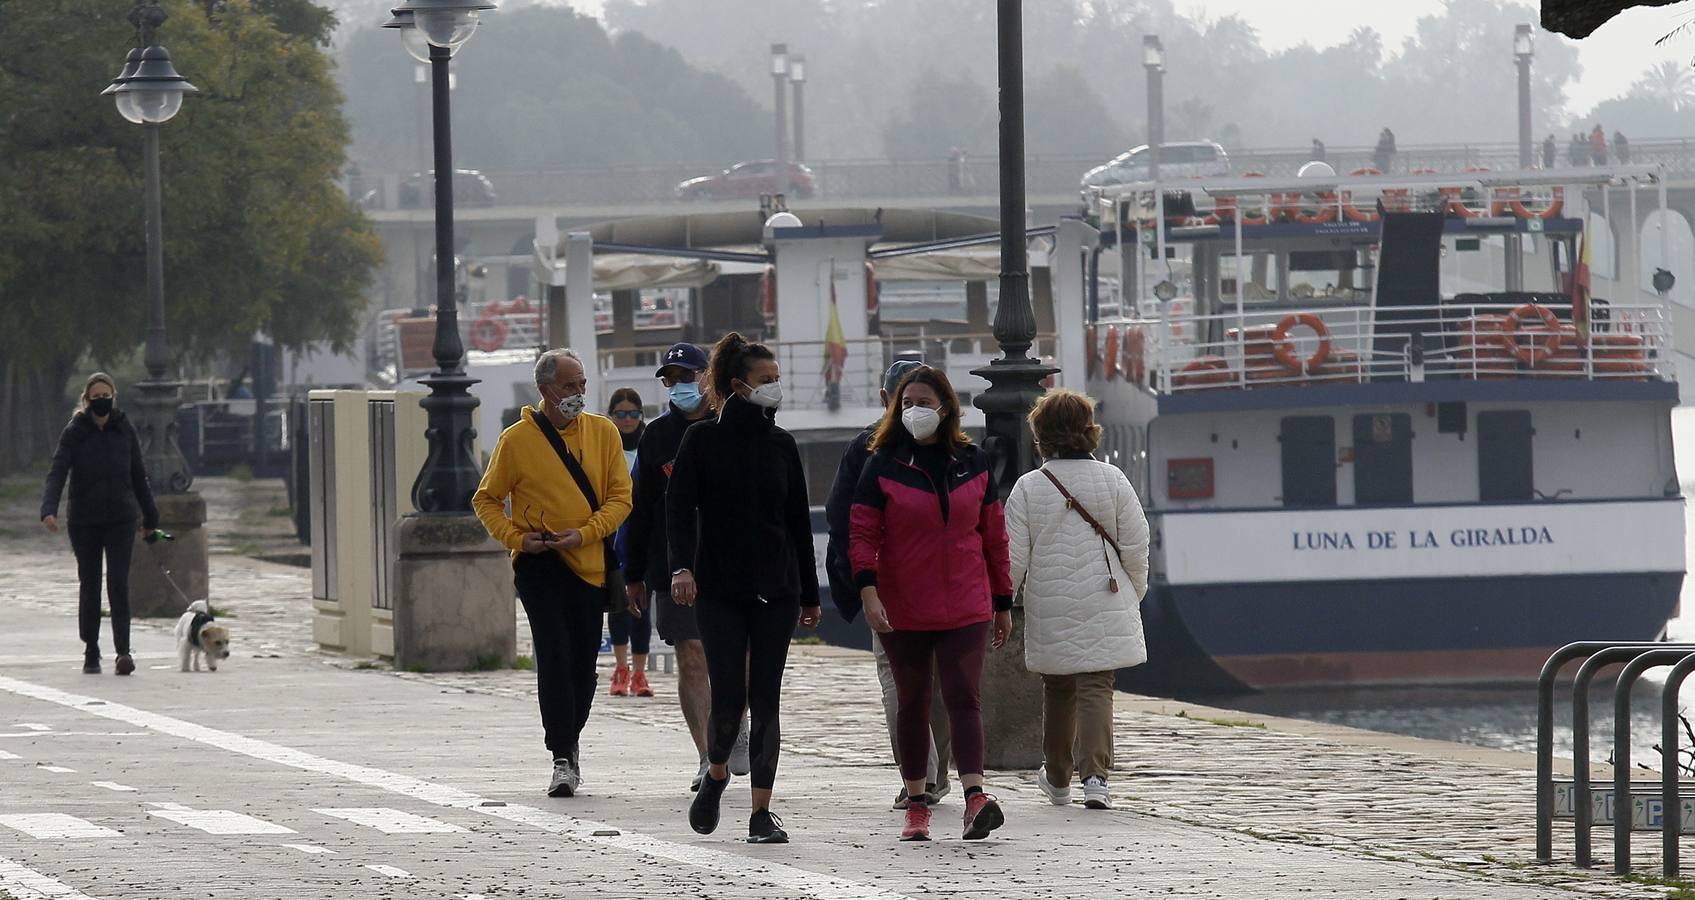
[
  {"x": 565, "y": 780},
  {"x": 740, "y": 763},
  {"x": 1095, "y": 795},
  {"x": 1058, "y": 796}
]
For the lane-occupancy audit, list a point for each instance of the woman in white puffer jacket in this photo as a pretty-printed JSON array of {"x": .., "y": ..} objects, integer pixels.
[{"x": 1082, "y": 587}]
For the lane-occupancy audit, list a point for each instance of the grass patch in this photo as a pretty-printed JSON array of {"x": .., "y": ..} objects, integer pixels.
[
  {"x": 18, "y": 489},
  {"x": 247, "y": 547},
  {"x": 488, "y": 662},
  {"x": 1227, "y": 723},
  {"x": 1680, "y": 889},
  {"x": 241, "y": 472},
  {"x": 417, "y": 669},
  {"x": 280, "y": 512},
  {"x": 219, "y": 612},
  {"x": 807, "y": 640},
  {"x": 366, "y": 664},
  {"x": 527, "y": 663}
]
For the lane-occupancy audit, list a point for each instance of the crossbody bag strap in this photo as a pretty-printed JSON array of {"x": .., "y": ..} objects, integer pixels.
[
  {"x": 571, "y": 464},
  {"x": 1071, "y": 503}
]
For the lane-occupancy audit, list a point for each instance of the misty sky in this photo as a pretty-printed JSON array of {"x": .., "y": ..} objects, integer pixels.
[{"x": 1612, "y": 57}]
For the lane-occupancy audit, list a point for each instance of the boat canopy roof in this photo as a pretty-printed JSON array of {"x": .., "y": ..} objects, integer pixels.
[{"x": 1481, "y": 180}]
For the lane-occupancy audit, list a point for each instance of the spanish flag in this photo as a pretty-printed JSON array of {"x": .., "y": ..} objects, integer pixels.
[
  {"x": 835, "y": 346},
  {"x": 1580, "y": 293}
]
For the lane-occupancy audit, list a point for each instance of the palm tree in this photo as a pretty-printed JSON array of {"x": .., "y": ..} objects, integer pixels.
[{"x": 1672, "y": 83}]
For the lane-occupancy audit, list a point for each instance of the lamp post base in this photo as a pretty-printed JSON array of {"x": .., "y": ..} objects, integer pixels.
[
  {"x": 453, "y": 606},
  {"x": 165, "y": 576}
]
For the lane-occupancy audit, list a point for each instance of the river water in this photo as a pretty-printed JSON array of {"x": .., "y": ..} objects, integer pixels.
[{"x": 1506, "y": 717}]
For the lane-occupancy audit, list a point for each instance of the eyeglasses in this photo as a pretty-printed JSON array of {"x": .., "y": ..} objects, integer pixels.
[
  {"x": 626, "y": 414},
  {"x": 546, "y": 534},
  {"x": 686, "y": 376}
]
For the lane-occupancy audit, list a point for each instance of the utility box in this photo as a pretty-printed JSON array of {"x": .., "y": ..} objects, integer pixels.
[
  {"x": 342, "y": 564},
  {"x": 396, "y": 425}
]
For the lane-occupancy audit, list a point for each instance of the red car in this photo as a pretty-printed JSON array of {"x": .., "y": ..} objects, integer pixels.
[{"x": 749, "y": 179}]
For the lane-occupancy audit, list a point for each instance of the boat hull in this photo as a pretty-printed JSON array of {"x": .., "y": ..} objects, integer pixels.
[{"x": 1269, "y": 635}]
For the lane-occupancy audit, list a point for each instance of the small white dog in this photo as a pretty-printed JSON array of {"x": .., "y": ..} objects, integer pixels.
[{"x": 198, "y": 633}]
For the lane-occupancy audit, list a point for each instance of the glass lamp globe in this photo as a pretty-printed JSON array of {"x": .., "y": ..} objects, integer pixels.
[{"x": 447, "y": 27}]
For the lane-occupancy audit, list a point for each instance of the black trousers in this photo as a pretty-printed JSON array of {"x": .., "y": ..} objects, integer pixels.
[
  {"x": 564, "y": 613},
  {"x": 114, "y": 544},
  {"x": 747, "y": 645}
]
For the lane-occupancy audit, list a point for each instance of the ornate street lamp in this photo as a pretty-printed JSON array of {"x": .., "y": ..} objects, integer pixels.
[
  {"x": 149, "y": 92},
  {"x": 1153, "y": 60},
  {"x": 450, "y": 473},
  {"x": 1524, "y": 47},
  {"x": 780, "y": 79}
]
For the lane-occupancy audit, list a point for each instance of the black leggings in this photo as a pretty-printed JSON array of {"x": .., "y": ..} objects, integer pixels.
[
  {"x": 628, "y": 629},
  {"x": 115, "y": 542},
  {"x": 747, "y": 645},
  {"x": 564, "y": 613}
]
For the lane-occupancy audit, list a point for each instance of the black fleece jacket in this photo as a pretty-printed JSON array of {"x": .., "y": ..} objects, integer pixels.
[
  {"x": 646, "y": 558},
  {"x": 107, "y": 476},
  {"x": 736, "y": 509}
]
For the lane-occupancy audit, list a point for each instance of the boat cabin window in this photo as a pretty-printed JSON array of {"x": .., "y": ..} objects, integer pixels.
[
  {"x": 1309, "y": 461},
  {"x": 1334, "y": 275},
  {"x": 1383, "y": 459},
  {"x": 1504, "y": 468}
]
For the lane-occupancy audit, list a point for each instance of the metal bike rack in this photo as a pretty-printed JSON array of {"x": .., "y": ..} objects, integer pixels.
[{"x": 1638, "y": 658}]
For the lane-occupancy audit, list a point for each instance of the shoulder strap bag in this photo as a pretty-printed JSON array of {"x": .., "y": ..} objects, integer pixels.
[
  {"x": 1106, "y": 539},
  {"x": 614, "y": 593}
]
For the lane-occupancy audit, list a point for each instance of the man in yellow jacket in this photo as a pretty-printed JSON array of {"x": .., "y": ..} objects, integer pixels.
[{"x": 530, "y": 502}]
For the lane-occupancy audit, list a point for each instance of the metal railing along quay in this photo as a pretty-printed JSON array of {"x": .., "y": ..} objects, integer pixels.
[
  {"x": 1660, "y": 805},
  {"x": 973, "y": 176}
]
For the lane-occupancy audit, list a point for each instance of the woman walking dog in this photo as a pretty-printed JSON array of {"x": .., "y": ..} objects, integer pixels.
[{"x": 100, "y": 453}]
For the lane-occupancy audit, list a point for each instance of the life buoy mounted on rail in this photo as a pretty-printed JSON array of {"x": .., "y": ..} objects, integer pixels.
[
  {"x": 1543, "y": 343},
  {"x": 488, "y": 333},
  {"x": 1284, "y": 349},
  {"x": 1111, "y": 355}
]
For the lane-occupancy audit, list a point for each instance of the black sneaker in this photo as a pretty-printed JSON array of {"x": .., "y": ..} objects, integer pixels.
[
  {"x": 125, "y": 664},
  {"x": 91, "y": 660},
  {"x": 902, "y": 799},
  {"x": 703, "y": 812},
  {"x": 766, "y": 828}
]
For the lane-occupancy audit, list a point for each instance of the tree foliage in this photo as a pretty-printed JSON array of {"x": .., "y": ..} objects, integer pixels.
[
  {"x": 257, "y": 233},
  {"x": 545, "y": 87}
]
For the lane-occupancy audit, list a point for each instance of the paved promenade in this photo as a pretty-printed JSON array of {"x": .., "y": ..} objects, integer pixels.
[{"x": 296, "y": 774}]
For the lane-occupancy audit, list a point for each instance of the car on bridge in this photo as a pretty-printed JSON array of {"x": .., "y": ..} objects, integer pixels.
[
  {"x": 1177, "y": 159},
  {"x": 470, "y": 188},
  {"x": 750, "y": 179}
]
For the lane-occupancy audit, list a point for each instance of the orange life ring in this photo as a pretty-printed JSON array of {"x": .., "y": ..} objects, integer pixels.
[
  {"x": 873, "y": 293},
  {"x": 488, "y": 334},
  {"x": 1284, "y": 349},
  {"x": 1294, "y": 205},
  {"x": 1551, "y": 211},
  {"x": 1227, "y": 208},
  {"x": 1536, "y": 351},
  {"x": 1205, "y": 370},
  {"x": 1456, "y": 201},
  {"x": 1353, "y": 213},
  {"x": 768, "y": 292},
  {"x": 519, "y": 305},
  {"x": 1092, "y": 352},
  {"x": 1111, "y": 355}
]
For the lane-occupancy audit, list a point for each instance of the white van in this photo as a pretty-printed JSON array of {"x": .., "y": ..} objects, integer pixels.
[{"x": 1182, "y": 159}]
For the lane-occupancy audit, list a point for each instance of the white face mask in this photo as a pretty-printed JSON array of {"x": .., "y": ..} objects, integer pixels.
[
  {"x": 920, "y": 422},
  {"x": 769, "y": 396},
  {"x": 572, "y": 406}
]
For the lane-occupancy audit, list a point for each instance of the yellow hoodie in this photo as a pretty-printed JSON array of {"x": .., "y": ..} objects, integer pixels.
[{"x": 525, "y": 468}]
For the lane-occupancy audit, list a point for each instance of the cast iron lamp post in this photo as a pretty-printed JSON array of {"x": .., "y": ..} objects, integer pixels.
[
  {"x": 149, "y": 92},
  {"x": 1524, "y": 47},
  {"x": 450, "y": 473}
]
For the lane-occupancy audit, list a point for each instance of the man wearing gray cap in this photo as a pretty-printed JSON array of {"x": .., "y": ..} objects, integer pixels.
[{"x": 845, "y": 594}]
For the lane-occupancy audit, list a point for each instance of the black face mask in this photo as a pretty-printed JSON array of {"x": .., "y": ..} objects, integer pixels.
[{"x": 100, "y": 406}]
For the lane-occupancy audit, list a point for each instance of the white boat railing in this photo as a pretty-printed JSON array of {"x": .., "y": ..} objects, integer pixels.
[{"x": 1297, "y": 347}]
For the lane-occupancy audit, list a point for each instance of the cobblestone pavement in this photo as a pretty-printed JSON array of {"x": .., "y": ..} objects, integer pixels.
[{"x": 1204, "y": 809}]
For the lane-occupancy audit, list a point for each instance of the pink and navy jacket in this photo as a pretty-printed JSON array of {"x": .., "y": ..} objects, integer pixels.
[{"x": 936, "y": 565}]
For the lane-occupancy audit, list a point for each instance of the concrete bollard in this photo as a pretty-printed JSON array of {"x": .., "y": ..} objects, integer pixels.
[
  {"x": 150, "y": 595},
  {"x": 1012, "y": 705},
  {"x": 454, "y": 604}
]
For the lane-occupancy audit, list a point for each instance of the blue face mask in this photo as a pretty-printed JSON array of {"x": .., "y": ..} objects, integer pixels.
[{"x": 686, "y": 395}]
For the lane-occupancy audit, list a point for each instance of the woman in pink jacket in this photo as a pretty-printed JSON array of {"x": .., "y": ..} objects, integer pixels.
[{"x": 929, "y": 552}]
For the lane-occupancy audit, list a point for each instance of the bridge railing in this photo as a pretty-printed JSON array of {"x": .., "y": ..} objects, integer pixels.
[{"x": 972, "y": 176}]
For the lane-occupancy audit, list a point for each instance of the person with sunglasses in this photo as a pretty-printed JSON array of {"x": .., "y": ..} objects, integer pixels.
[
  {"x": 628, "y": 625},
  {"x": 557, "y": 531},
  {"x": 647, "y": 559}
]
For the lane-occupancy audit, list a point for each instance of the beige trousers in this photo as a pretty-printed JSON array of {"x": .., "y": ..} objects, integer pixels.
[{"x": 1077, "y": 725}]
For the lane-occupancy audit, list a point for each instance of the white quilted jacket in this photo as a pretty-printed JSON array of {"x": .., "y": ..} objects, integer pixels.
[{"x": 1073, "y": 622}]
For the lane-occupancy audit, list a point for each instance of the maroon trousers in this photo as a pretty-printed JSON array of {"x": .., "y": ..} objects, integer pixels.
[{"x": 955, "y": 657}]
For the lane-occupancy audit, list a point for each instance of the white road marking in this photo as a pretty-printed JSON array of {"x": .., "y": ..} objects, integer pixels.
[
  {"x": 390, "y": 871},
  {"x": 55, "y": 826},
  {"x": 309, "y": 848},
  {"x": 390, "y": 821},
  {"x": 220, "y": 821},
  {"x": 741, "y": 869},
  {"x": 176, "y": 806},
  {"x": 113, "y": 786},
  {"x": 42, "y": 734},
  {"x": 5, "y": 755},
  {"x": 60, "y": 769},
  {"x": 27, "y": 884},
  {"x": 34, "y": 726}
]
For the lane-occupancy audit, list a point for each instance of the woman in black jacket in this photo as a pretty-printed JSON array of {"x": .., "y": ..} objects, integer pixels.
[
  {"x": 101, "y": 454},
  {"x": 741, "y": 537}
]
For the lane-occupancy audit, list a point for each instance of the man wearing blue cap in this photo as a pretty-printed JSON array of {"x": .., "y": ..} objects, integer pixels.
[
  {"x": 845, "y": 594},
  {"x": 647, "y": 557}
]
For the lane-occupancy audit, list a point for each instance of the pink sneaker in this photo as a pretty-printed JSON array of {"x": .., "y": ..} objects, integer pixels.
[
  {"x": 621, "y": 681},
  {"x": 917, "y": 822},
  {"x": 982, "y": 815}
]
